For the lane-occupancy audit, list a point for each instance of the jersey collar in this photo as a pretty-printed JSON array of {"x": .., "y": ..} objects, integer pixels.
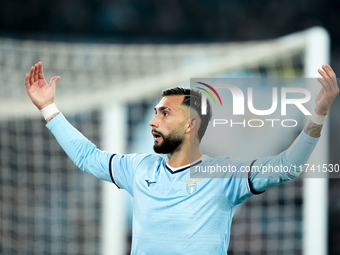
[{"x": 175, "y": 170}]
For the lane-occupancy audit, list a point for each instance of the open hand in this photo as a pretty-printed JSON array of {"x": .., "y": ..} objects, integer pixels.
[
  {"x": 328, "y": 92},
  {"x": 41, "y": 93}
]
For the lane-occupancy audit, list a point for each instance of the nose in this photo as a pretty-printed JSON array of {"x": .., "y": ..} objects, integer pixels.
[{"x": 153, "y": 122}]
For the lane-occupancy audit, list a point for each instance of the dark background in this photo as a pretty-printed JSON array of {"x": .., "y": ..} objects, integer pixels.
[{"x": 172, "y": 21}]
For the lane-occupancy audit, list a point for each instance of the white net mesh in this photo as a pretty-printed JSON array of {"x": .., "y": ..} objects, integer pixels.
[
  {"x": 92, "y": 75},
  {"x": 49, "y": 207}
]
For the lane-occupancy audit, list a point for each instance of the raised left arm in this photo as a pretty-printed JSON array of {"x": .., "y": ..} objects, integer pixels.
[
  {"x": 299, "y": 152},
  {"x": 323, "y": 100}
]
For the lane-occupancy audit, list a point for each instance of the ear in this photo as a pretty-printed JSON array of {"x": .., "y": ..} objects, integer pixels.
[{"x": 192, "y": 124}]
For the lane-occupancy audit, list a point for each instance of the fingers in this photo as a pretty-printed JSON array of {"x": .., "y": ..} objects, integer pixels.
[
  {"x": 325, "y": 82},
  {"x": 329, "y": 71},
  {"x": 35, "y": 72},
  {"x": 40, "y": 71},
  {"x": 325, "y": 86},
  {"x": 31, "y": 75},
  {"x": 329, "y": 82},
  {"x": 53, "y": 81},
  {"x": 27, "y": 81},
  {"x": 332, "y": 75}
]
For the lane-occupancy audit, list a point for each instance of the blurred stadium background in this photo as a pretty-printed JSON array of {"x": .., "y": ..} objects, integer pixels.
[{"x": 114, "y": 57}]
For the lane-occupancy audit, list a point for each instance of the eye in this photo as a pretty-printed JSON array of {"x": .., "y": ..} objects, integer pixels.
[{"x": 165, "y": 113}]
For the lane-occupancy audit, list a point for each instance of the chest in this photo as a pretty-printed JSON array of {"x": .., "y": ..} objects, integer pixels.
[{"x": 162, "y": 191}]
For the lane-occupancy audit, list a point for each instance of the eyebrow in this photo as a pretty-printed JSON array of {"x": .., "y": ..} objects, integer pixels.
[{"x": 162, "y": 108}]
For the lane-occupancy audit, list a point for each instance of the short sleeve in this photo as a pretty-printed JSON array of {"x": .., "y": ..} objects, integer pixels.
[{"x": 123, "y": 168}]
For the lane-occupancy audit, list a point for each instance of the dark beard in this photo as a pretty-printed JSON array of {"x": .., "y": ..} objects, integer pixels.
[{"x": 170, "y": 143}]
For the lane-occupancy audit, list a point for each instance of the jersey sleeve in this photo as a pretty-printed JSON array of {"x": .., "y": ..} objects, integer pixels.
[
  {"x": 82, "y": 152},
  {"x": 123, "y": 168},
  {"x": 271, "y": 171},
  {"x": 236, "y": 180}
]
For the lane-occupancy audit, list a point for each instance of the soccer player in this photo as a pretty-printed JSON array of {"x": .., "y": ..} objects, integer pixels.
[{"x": 172, "y": 212}]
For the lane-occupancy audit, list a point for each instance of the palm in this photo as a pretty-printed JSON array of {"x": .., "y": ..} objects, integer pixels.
[
  {"x": 320, "y": 100},
  {"x": 41, "y": 93}
]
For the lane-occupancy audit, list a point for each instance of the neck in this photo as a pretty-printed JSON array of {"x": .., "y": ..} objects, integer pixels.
[{"x": 184, "y": 156}]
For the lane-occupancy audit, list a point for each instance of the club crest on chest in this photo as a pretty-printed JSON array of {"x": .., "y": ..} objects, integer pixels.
[{"x": 191, "y": 184}]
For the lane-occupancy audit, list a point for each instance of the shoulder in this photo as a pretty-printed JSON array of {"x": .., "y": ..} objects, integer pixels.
[
  {"x": 150, "y": 158},
  {"x": 229, "y": 160},
  {"x": 213, "y": 160},
  {"x": 138, "y": 158}
]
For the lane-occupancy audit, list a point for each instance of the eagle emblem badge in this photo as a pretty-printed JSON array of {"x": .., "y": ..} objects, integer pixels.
[{"x": 191, "y": 185}]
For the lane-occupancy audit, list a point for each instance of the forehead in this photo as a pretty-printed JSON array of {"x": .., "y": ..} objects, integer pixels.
[{"x": 172, "y": 102}]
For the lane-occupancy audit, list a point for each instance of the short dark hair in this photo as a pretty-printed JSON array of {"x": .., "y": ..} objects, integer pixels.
[{"x": 192, "y": 99}]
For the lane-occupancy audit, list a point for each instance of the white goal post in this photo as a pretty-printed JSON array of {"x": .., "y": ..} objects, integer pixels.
[{"x": 315, "y": 192}]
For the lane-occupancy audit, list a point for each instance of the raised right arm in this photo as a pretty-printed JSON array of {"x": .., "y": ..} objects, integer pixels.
[
  {"x": 82, "y": 152},
  {"x": 41, "y": 93}
]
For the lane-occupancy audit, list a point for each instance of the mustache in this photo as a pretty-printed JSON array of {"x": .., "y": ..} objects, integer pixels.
[{"x": 157, "y": 132}]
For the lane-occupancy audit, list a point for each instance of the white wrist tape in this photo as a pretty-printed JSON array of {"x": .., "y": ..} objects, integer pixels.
[
  {"x": 318, "y": 119},
  {"x": 49, "y": 110}
]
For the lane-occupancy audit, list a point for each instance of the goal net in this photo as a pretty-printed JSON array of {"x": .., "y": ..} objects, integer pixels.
[{"x": 47, "y": 206}]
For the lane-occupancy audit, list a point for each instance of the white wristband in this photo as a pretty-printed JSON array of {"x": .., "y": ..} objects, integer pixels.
[
  {"x": 318, "y": 119},
  {"x": 49, "y": 110}
]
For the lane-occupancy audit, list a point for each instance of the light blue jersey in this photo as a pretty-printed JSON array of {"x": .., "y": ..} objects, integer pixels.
[
  {"x": 173, "y": 213},
  {"x": 176, "y": 214}
]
